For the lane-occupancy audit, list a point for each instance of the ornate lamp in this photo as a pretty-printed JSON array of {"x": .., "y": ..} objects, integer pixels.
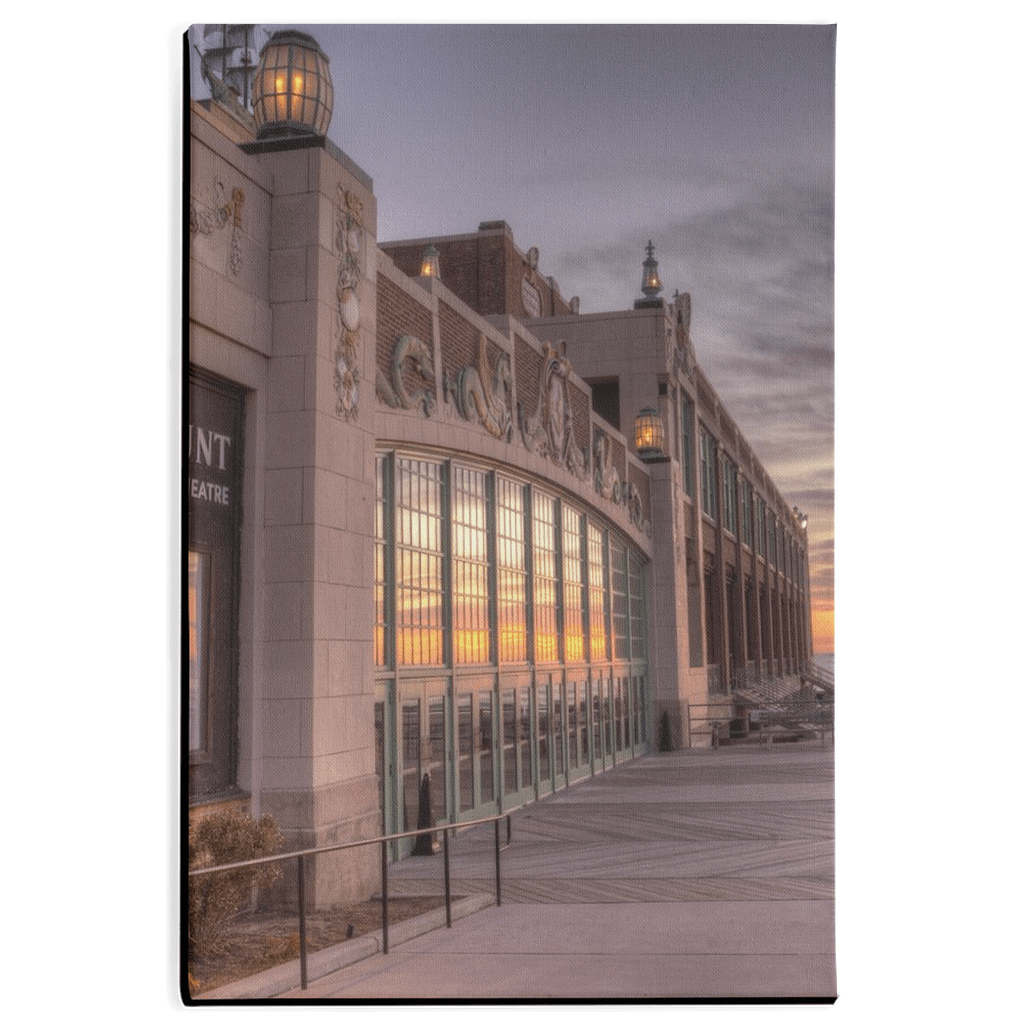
[
  {"x": 650, "y": 435},
  {"x": 430, "y": 266},
  {"x": 292, "y": 93},
  {"x": 651, "y": 283}
]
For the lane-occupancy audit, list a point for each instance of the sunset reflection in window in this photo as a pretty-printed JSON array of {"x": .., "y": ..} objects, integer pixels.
[
  {"x": 545, "y": 578},
  {"x": 511, "y": 570},
  {"x": 418, "y": 583},
  {"x": 461, "y": 553},
  {"x": 572, "y": 571},
  {"x": 470, "y": 605}
]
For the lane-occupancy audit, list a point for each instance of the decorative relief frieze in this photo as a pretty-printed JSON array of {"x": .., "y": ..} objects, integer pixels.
[
  {"x": 606, "y": 476},
  {"x": 204, "y": 220},
  {"x": 549, "y": 431},
  {"x": 349, "y": 243},
  {"x": 481, "y": 392},
  {"x": 610, "y": 485},
  {"x": 412, "y": 355},
  {"x": 484, "y": 394},
  {"x": 635, "y": 506}
]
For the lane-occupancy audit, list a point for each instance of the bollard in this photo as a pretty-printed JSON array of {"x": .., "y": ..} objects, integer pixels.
[
  {"x": 497, "y": 863},
  {"x": 424, "y": 845},
  {"x": 665, "y": 735},
  {"x": 447, "y": 883}
]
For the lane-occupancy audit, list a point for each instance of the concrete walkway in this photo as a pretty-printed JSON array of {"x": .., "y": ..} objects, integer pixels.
[{"x": 698, "y": 874}]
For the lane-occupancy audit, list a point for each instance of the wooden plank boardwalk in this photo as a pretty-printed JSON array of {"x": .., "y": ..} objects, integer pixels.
[{"x": 733, "y": 824}]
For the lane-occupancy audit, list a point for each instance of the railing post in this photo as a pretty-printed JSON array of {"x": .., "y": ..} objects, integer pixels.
[
  {"x": 302, "y": 921},
  {"x": 447, "y": 883},
  {"x": 384, "y": 893},
  {"x": 497, "y": 862}
]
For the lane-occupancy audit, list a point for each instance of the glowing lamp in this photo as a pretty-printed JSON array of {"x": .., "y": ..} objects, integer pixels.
[
  {"x": 650, "y": 434},
  {"x": 430, "y": 266},
  {"x": 650, "y": 284},
  {"x": 292, "y": 94}
]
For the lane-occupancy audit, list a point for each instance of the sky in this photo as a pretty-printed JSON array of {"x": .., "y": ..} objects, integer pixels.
[{"x": 715, "y": 142}]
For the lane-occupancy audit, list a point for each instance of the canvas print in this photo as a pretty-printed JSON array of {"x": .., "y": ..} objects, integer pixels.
[{"x": 509, "y": 514}]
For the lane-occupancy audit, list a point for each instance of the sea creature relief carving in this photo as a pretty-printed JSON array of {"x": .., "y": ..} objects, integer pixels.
[
  {"x": 411, "y": 353},
  {"x": 610, "y": 485},
  {"x": 484, "y": 394}
]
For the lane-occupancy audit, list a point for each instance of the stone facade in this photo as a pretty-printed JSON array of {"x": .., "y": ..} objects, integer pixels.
[{"x": 342, "y": 360}]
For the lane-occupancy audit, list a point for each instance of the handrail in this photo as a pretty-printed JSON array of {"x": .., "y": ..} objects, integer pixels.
[{"x": 314, "y": 851}]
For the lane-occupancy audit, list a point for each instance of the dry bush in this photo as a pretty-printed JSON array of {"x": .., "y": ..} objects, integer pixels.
[{"x": 213, "y": 900}]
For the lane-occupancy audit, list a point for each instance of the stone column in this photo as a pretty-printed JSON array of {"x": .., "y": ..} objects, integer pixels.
[
  {"x": 317, "y": 715},
  {"x": 669, "y": 630}
]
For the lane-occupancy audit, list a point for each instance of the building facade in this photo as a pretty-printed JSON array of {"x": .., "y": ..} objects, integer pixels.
[{"x": 421, "y": 536}]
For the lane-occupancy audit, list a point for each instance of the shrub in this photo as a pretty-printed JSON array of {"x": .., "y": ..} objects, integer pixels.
[{"x": 213, "y": 900}]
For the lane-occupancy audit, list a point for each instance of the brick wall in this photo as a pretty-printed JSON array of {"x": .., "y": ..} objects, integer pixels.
[
  {"x": 529, "y": 366},
  {"x": 397, "y": 314},
  {"x": 459, "y": 340},
  {"x": 485, "y": 270},
  {"x": 579, "y": 402}
]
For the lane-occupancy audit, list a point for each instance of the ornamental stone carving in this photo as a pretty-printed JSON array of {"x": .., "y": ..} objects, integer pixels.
[
  {"x": 412, "y": 355},
  {"x": 484, "y": 394},
  {"x": 606, "y": 476},
  {"x": 610, "y": 485},
  {"x": 204, "y": 220},
  {"x": 549, "y": 431},
  {"x": 349, "y": 243}
]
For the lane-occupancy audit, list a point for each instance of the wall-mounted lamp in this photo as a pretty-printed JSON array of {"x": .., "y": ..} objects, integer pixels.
[
  {"x": 800, "y": 517},
  {"x": 430, "y": 267},
  {"x": 650, "y": 435},
  {"x": 292, "y": 93}
]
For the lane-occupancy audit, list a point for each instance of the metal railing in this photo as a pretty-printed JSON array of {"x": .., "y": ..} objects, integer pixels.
[
  {"x": 300, "y": 857},
  {"x": 770, "y": 722}
]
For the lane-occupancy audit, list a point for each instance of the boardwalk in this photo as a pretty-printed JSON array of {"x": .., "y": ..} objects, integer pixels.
[{"x": 701, "y": 873}]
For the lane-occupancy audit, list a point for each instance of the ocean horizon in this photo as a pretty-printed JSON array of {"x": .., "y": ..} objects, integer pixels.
[{"x": 825, "y": 661}]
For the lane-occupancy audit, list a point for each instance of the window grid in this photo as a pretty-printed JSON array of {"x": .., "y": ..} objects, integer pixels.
[
  {"x": 438, "y": 569},
  {"x": 597, "y": 603},
  {"x": 380, "y": 629},
  {"x": 758, "y": 524},
  {"x": 620, "y": 604},
  {"x": 746, "y": 511},
  {"x": 729, "y": 494},
  {"x": 638, "y": 606},
  {"x": 419, "y": 583},
  {"x": 709, "y": 491},
  {"x": 511, "y": 550},
  {"x": 572, "y": 570},
  {"x": 545, "y": 578},
  {"x": 470, "y": 586}
]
